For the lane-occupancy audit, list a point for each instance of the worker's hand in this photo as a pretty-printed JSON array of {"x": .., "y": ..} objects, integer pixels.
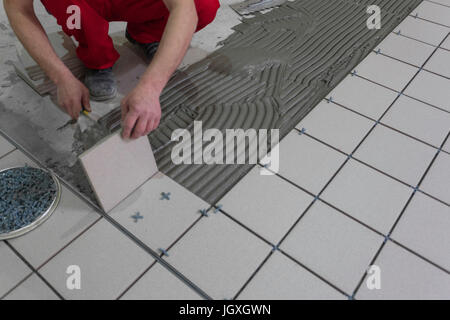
[
  {"x": 73, "y": 96},
  {"x": 141, "y": 112}
]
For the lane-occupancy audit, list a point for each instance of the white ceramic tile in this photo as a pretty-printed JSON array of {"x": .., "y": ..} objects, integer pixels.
[
  {"x": 422, "y": 30},
  {"x": 336, "y": 126},
  {"x": 12, "y": 269},
  {"x": 306, "y": 162},
  {"x": 424, "y": 229},
  {"x": 437, "y": 180},
  {"x": 406, "y": 49},
  {"x": 130, "y": 164},
  {"x": 108, "y": 260},
  {"x": 218, "y": 255},
  {"x": 32, "y": 289},
  {"x": 433, "y": 12},
  {"x": 363, "y": 96},
  {"x": 160, "y": 284},
  {"x": 419, "y": 120},
  {"x": 282, "y": 279},
  {"x": 71, "y": 217},
  {"x": 333, "y": 245},
  {"x": 431, "y": 89},
  {"x": 440, "y": 63},
  {"x": 367, "y": 195},
  {"x": 396, "y": 154},
  {"x": 267, "y": 205},
  {"x": 406, "y": 276},
  {"x": 5, "y": 147},
  {"x": 163, "y": 220},
  {"x": 386, "y": 71}
]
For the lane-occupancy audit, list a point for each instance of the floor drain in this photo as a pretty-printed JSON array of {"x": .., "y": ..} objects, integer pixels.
[{"x": 28, "y": 197}]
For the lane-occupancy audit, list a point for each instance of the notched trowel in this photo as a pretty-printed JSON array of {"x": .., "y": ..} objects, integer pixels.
[{"x": 251, "y": 6}]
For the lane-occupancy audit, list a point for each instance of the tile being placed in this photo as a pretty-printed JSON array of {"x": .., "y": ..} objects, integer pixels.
[
  {"x": 333, "y": 245},
  {"x": 386, "y": 71},
  {"x": 437, "y": 180},
  {"x": 5, "y": 146},
  {"x": 440, "y": 63},
  {"x": 367, "y": 195},
  {"x": 306, "y": 162},
  {"x": 267, "y": 205},
  {"x": 433, "y": 12},
  {"x": 129, "y": 164},
  {"x": 108, "y": 263},
  {"x": 280, "y": 278},
  {"x": 218, "y": 255},
  {"x": 159, "y": 284},
  {"x": 71, "y": 217},
  {"x": 336, "y": 126},
  {"x": 12, "y": 269},
  {"x": 406, "y": 276},
  {"x": 396, "y": 154},
  {"x": 424, "y": 228},
  {"x": 32, "y": 289},
  {"x": 431, "y": 89},
  {"x": 418, "y": 120},
  {"x": 406, "y": 49},
  {"x": 363, "y": 96},
  {"x": 163, "y": 220},
  {"x": 422, "y": 30}
]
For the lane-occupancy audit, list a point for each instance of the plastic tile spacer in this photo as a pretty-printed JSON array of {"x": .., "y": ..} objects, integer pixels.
[
  {"x": 386, "y": 239},
  {"x": 354, "y": 73},
  {"x": 165, "y": 196},
  {"x": 164, "y": 252},
  {"x": 378, "y": 51},
  {"x": 275, "y": 248},
  {"x": 303, "y": 131},
  {"x": 399, "y": 32},
  {"x": 137, "y": 217},
  {"x": 204, "y": 212},
  {"x": 330, "y": 99},
  {"x": 218, "y": 208}
]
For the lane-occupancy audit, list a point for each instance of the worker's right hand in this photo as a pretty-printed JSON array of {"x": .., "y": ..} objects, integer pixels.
[{"x": 73, "y": 96}]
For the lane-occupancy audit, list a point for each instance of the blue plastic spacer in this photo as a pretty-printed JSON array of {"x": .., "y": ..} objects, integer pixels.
[
  {"x": 204, "y": 212},
  {"x": 303, "y": 131},
  {"x": 275, "y": 248},
  {"x": 164, "y": 252},
  {"x": 165, "y": 196},
  {"x": 137, "y": 217},
  {"x": 219, "y": 207}
]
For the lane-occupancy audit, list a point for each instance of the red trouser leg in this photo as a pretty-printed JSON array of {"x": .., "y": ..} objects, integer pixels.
[
  {"x": 96, "y": 48},
  {"x": 147, "y": 19}
]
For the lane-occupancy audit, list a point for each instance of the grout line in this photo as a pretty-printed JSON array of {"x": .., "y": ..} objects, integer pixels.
[
  {"x": 419, "y": 255},
  {"x": 136, "y": 280},
  {"x": 34, "y": 270},
  {"x": 16, "y": 285},
  {"x": 438, "y": 3},
  {"x": 431, "y": 21},
  {"x": 8, "y": 153},
  {"x": 68, "y": 244}
]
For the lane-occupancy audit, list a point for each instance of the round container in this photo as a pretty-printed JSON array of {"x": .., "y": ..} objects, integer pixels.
[{"x": 42, "y": 217}]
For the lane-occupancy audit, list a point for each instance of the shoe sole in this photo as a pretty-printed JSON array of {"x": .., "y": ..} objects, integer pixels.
[{"x": 104, "y": 98}]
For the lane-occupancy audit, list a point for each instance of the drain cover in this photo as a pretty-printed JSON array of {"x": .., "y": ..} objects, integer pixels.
[{"x": 28, "y": 196}]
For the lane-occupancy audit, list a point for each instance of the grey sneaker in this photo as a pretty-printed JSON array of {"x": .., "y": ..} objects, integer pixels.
[
  {"x": 148, "y": 48},
  {"x": 101, "y": 84}
]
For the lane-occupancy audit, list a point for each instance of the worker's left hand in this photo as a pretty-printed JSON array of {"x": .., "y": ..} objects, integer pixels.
[{"x": 141, "y": 112}]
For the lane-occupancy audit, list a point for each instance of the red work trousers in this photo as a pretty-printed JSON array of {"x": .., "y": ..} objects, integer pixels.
[{"x": 146, "y": 22}]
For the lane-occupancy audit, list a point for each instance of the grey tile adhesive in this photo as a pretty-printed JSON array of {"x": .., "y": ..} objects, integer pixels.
[{"x": 269, "y": 73}]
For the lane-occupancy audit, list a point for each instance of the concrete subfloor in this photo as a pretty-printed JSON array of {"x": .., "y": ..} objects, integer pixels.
[{"x": 372, "y": 190}]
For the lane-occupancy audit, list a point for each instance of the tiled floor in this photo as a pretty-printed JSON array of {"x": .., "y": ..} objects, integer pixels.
[{"x": 365, "y": 184}]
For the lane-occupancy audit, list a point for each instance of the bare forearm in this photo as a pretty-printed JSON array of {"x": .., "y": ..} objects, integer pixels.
[
  {"x": 33, "y": 37},
  {"x": 177, "y": 36}
]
